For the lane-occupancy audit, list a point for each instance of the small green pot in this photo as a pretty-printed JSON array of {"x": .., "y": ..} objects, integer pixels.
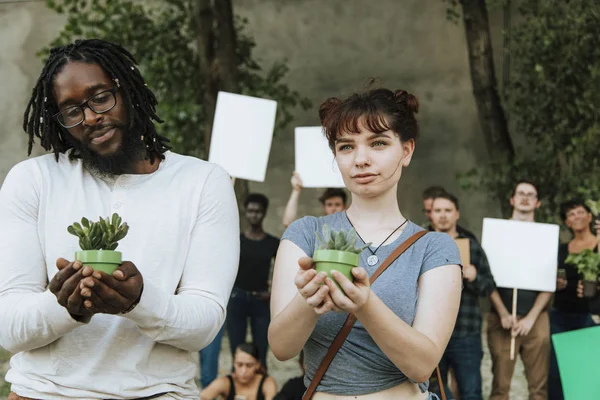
[
  {"x": 341, "y": 261},
  {"x": 100, "y": 260}
]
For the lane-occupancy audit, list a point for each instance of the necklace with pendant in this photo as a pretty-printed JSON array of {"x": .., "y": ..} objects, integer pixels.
[{"x": 373, "y": 259}]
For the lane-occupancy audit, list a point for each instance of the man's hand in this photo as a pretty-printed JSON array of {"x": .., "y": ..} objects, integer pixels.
[
  {"x": 65, "y": 286},
  {"x": 507, "y": 321},
  {"x": 469, "y": 272},
  {"x": 523, "y": 326},
  {"x": 296, "y": 181},
  {"x": 597, "y": 226},
  {"x": 561, "y": 284},
  {"x": 113, "y": 294}
]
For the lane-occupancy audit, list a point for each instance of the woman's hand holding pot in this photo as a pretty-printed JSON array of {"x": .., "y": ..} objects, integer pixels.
[
  {"x": 352, "y": 295},
  {"x": 310, "y": 284}
]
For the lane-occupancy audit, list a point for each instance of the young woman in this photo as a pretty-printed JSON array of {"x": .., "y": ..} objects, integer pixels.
[
  {"x": 568, "y": 311},
  {"x": 247, "y": 382},
  {"x": 406, "y": 318}
]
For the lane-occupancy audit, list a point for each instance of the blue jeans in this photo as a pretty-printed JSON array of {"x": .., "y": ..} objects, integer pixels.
[
  {"x": 243, "y": 305},
  {"x": 209, "y": 360},
  {"x": 463, "y": 355},
  {"x": 561, "y": 321}
]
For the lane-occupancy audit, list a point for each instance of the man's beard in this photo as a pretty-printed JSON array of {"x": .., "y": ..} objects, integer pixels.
[{"x": 131, "y": 150}]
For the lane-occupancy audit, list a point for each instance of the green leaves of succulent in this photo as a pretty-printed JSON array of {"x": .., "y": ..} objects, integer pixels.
[
  {"x": 587, "y": 262},
  {"x": 341, "y": 240},
  {"x": 101, "y": 235}
]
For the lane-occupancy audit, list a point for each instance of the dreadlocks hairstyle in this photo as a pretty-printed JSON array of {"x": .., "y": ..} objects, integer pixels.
[{"x": 119, "y": 64}]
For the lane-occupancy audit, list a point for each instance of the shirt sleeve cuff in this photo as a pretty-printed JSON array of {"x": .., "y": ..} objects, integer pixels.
[
  {"x": 151, "y": 309},
  {"x": 58, "y": 318}
]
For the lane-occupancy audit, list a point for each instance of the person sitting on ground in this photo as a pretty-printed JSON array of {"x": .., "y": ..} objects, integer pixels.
[
  {"x": 332, "y": 199},
  {"x": 248, "y": 381},
  {"x": 294, "y": 388}
]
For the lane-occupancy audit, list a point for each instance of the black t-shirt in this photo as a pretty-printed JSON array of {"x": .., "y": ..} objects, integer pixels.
[
  {"x": 292, "y": 390},
  {"x": 525, "y": 300},
  {"x": 255, "y": 262},
  {"x": 566, "y": 300}
]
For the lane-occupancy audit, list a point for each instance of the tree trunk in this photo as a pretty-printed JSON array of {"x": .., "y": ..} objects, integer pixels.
[
  {"x": 217, "y": 43},
  {"x": 483, "y": 77},
  {"x": 491, "y": 114},
  {"x": 205, "y": 42}
]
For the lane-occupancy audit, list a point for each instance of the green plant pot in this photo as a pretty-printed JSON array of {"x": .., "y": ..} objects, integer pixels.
[
  {"x": 100, "y": 260},
  {"x": 341, "y": 261},
  {"x": 590, "y": 289}
]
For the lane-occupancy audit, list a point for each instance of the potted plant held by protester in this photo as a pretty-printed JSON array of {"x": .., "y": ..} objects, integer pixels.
[
  {"x": 98, "y": 241},
  {"x": 588, "y": 265},
  {"x": 337, "y": 251}
]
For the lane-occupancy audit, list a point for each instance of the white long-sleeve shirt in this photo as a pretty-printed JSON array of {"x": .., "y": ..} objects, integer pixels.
[{"x": 183, "y": 238}]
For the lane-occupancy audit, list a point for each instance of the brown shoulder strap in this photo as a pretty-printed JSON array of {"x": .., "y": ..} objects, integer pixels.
[{"x": 343, "y": 333}]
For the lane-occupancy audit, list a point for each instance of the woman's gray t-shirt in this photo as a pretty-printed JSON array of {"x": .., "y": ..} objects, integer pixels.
[{"x": 360, "y": 367}]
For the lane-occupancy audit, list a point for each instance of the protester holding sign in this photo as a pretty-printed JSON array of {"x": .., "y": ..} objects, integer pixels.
[
  {"x": 568, "y": 311},
  {"x": 78, "y": 333},
  {"x": 332, "y": 199},
  {"x": 464, "y": 351},
  {"x": 531, "y": 328},
  {"x": 405, "y": 319}
]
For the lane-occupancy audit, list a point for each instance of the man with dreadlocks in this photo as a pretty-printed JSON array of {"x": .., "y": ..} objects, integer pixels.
[{"x": 78, "y": 333}]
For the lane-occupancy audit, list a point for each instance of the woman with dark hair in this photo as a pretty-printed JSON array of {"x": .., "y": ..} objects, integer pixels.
[
  {"x": 247, "y": 382},
  {"x": 570, "y": 312},
  {"x": 404, "y": 320}
]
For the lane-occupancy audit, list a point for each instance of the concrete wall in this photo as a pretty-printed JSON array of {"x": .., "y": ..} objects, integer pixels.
[{"x": 332, "y": 47}]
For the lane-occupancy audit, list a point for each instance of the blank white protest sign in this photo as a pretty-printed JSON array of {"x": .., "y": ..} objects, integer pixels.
[
  {"x": 522, "y": 255},
  {"x": 242, "y": 135},
  {"x": 314, "y": 159}
]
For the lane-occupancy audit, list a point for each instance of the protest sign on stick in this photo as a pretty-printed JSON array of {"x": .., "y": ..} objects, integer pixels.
[{"x": 522, "y": 255}]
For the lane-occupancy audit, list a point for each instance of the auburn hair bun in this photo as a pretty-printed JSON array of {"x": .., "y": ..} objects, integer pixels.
[
  {"x": 410, "y": 100},
  {"x": 327, "y": 107}
]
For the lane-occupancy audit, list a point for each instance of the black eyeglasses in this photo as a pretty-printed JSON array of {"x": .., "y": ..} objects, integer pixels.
[{"x": 98, "y": 103}]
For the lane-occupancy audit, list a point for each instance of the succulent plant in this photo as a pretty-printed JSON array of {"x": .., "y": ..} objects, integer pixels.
[
  {"x": 594, "y": 207},
  {"x": 341, "y": 240},
  {"x": 101, "y": 235},
  {"x": 587, "y": 262}
]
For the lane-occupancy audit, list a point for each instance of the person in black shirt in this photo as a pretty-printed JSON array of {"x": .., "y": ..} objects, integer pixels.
[
  {"x": 251, "y": 290},
  {"x": 570, "y": 312},
  {"x": 294, "y": 388}
]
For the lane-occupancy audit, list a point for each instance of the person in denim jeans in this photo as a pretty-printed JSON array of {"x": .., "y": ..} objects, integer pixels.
[
  {"x": 209, "y": 360},
  {"x": 250, "y": 296},
  {"x": 464, "y": 351}
]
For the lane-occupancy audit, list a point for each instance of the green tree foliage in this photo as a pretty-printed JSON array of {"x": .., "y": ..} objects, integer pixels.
[
  {"x": 160, "y": 34},
  {"x": 554, "y": 105}
]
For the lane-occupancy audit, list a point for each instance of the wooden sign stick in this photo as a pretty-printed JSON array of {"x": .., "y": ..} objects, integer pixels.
[{"x": 514, "y": 315}]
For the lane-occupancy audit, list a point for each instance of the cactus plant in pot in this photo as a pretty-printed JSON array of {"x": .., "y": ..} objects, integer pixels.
[
  {"x": 98, "y": 241},
  {"x": 588, "y": 265},
  {"x": 337, "y": 251}
]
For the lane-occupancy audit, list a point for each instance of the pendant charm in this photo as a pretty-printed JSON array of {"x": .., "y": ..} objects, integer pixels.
[{"x": 372, "y": 260}]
